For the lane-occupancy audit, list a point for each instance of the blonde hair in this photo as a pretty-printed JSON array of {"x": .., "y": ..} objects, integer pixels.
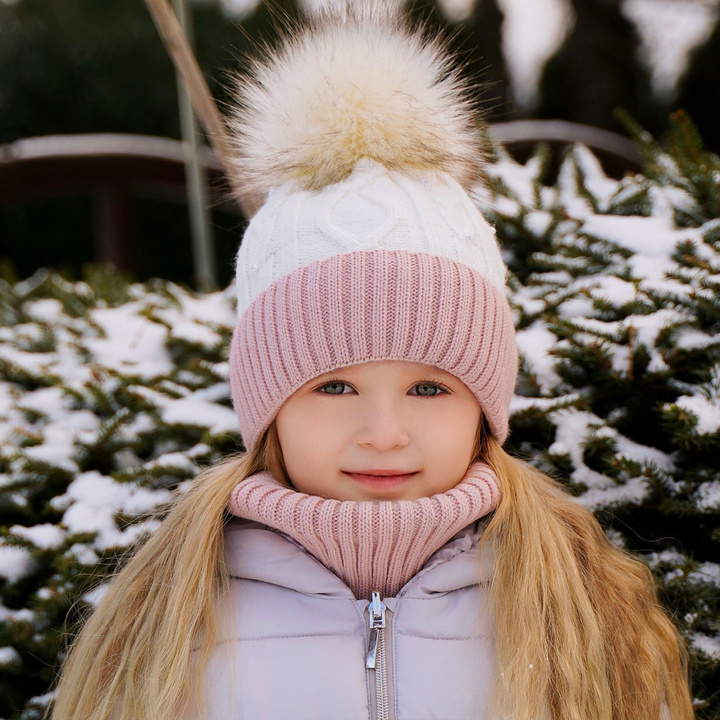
[
  {"x": 140, "y": 653},
  {"x": 580, "y": 634}
]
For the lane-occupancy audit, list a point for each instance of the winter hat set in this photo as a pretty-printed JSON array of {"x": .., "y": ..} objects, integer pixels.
[{"x": 359, "y": 135}]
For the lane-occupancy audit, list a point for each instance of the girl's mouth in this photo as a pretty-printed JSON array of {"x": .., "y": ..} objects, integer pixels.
[{"x": 380, "y": 478}]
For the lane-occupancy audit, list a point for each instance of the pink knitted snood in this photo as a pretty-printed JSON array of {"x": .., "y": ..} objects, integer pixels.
[{"x": 371, "y": 546}]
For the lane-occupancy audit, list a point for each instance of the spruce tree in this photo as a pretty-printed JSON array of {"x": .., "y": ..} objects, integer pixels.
[
  {"x": 114, "y": 394},
  {"x": 616, "y": 290}
]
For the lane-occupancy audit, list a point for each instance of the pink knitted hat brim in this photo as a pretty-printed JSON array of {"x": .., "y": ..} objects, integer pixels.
[{"x": 373, "y": 305}]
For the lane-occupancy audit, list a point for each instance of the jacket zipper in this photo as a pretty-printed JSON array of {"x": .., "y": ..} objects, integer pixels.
[{"x": 376, "y": 656}]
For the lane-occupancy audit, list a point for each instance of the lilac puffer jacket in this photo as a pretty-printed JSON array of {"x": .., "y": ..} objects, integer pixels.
[{"x": 295, "y": 644}]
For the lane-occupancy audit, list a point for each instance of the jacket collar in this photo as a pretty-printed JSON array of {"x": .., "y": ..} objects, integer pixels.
[{"x": 255, "y": 552}]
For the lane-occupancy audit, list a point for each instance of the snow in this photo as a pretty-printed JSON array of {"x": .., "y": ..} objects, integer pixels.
[
  {"x": 94, "y": 596},
  {"x": 525, "y": 300},
  {"x": 631, "y": 491},
  {"x": 670, "y": 556},
  {"x": 538, "y": 222},
  {"x": 83, "y": 554},
  {"x": 53, "y": 453},
  {"x": 653, "y": 270},
  {"x": 709, "y": 645},
  {"x": 60, "y": 428},
  {"x": 96, "y": 499},
  {"x": 534, "y": 29},
  {"x": 650, "y": 236},
  {"x": 508, "y": 206},
  {"x": 557, "y": 277},
  {"x": 50, "y": 425},
  {"x": 612, "y": 290},
  {"x": 151, "y": 396},
  {"x": 648, "y": 327},
  {"x": 195, "y": 333},
  {"x": 669, "y": 30},
  {"x": 640, "y": 453},
  {"x": 574, "y": 205},
  {"x": 29, "y": 362},
  {"x": 25, "y": 334},
  {"x": 45, "y": 310},
  {"x": 49, "y": 402},
  {"x": 558, "y": 448},
  {"x": 577, "y": 307},
  {"x": 690, "y": 339},
  {"x": 595, "y": 180},
  {"x": 519, "y": 180},
  {"x": 45, "y": 536},
  {"x": 708, "y": 495},
  {"x": 573, "y": 428},
  {"x": 15, "y": 562},
  {"x": 215, "y": 309},
  {"x": 610, "y": 330},
  {"x": 707, "y": 572},
  {"x": 7, "y": 398},
  {"x": 519, "y": 403},
  {"x": 526, "y": 49},
  {"x": 195, "y": 410},
  {"x": 174, "y": 461},
  {"x": 706, "y": 411},
  {"x": 9, "y": 656},
  {"x": 132, "y": 345},
  {"x": 535, "y": 344},
  {"x": 21, "y": 616}
]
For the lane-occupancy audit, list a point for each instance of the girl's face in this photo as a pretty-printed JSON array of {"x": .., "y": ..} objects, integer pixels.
[{"x": 386, "y": 430}]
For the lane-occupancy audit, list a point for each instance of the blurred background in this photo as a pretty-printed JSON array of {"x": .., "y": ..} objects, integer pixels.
[{"x": 70, "y": 69}]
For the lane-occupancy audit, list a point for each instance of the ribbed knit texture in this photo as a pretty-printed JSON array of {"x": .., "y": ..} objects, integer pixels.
[
  {"x": 373, "y": 305},
  {"x": 372, "y": 546}
]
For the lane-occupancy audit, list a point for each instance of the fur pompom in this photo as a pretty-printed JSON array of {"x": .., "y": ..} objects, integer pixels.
[{"x": 354, "y": 83}]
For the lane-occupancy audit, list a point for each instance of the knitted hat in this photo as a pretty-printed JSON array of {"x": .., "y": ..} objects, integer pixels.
[{"x": 360, "y": 137}]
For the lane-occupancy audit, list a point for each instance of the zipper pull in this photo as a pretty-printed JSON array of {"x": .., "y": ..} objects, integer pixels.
[{"x": 376, "y": 621}]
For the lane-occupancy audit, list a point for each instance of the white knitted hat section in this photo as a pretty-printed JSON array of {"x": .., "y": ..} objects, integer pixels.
[{"x": 373, "y": 208}]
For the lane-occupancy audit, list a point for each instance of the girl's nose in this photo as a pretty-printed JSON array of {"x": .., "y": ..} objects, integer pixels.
[{"x": 383, "y": 428}]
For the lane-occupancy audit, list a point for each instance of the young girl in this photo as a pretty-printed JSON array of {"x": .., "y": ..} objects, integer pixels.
[{"x": 375, "y": 553}]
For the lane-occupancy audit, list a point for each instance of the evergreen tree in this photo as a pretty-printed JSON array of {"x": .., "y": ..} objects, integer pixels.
[
  {"x": 477, "y": 40},
  {"x": 598, "y": 69},
  {"x": 112, "y": 395},
  {"x": 617, "y": 295},
  {"x": 699, "y": 93}
]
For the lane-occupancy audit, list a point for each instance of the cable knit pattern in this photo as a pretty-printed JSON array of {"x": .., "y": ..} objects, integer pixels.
[
  {"x": 372, "y": 546},
  {"x": 373, "y": 305},
  {"x": 374, "y": 208}
]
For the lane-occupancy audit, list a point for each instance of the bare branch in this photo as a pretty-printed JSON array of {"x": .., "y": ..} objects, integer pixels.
[{"x": 202, "y": 100}]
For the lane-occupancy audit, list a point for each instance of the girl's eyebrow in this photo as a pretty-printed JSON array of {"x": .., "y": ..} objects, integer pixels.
[
  {"x": 331, "y": 375},
  {"x": 437, "y": 376}
]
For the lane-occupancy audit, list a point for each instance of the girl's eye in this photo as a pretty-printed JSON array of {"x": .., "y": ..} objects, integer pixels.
[
  {"x": 428, "y": 389},
  {"x": 335, "y": 387}
]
